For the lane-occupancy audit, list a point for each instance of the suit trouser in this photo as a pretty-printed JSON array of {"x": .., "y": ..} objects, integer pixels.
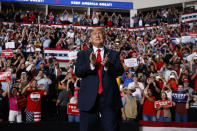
[{"x": 109, "y": 117}]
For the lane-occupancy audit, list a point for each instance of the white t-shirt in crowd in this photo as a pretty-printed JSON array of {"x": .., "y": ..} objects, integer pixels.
[
  {"x": 71, "y": 34},
  {"x": 95, "y": 21},
  {"x": 169, "y": 95},
  {"x": 138, "y": 93}
]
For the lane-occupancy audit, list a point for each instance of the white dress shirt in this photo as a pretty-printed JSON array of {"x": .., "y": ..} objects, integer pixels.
[{"x": 102, "y": 57}]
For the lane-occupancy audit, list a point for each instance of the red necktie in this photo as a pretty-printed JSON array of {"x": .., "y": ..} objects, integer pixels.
[{"x": 98, "y": 61}]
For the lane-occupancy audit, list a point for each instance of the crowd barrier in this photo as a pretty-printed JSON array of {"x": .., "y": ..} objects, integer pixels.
[{"x": 141, "y": 126}]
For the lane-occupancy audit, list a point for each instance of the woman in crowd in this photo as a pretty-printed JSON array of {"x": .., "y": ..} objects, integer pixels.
[
  {"x": 15, "y": 114},
  {"x": 74, "y": 100},
  {"x": 149, "y": 111},
  {"x": 163, "y": 113}
]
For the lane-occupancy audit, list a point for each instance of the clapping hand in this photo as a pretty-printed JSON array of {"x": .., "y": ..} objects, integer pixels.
[
  {"x": 105, "y": 62},
  {"x": 93, "y": 58}
]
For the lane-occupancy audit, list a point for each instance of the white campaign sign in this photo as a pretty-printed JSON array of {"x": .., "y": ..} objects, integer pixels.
[
  {"x": 186, "y": 39},
  {"x": 190, "y": 57},
  {"x": 9, "y": 45},
  {"x": 72, "y": 55},
  {"x": 132, "y": 62}
]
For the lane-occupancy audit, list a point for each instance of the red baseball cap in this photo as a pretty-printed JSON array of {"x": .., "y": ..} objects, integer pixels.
[{"x": 185, "y": 80}]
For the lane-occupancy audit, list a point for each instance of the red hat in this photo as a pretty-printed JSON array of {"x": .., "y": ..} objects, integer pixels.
[{"x": 185, "y": 80}]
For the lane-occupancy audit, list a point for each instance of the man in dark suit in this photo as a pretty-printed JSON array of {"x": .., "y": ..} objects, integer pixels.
[{"x": 99, "y": 96}]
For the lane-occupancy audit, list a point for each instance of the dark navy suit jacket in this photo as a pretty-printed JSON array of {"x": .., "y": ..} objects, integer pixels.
[{"x": 90, "y": 80}]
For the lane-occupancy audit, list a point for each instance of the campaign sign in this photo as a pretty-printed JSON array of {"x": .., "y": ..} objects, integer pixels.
[
  {"x": 72, "y": 55},
  {"x": 10, "y": 45},
  {"x": 7, "y": 53},
  {"x": 160, "y": 38},
  {"x": 132, "y": 62},
  {"x": 163, "y": 103},
  {"x": 72, "y": 109},
  {"x": 186, "y": 39},
  {"x": 193, "y": 34},
  {"x": 179, "y": 96},
  {"x": 4, "y": 76}
]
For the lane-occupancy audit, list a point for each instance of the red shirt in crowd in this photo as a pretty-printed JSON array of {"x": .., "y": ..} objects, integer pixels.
[
  {"x": 34, "y": 100},
  {"x": 173, "y": 84},
  {"x": 109, "y": 23},
  {"x": 32, "y": 17},
  {"x": 148, "y": 107},
  {"x": 159, "y": 65}
]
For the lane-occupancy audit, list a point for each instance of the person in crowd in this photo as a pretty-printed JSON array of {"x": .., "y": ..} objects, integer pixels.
[
  {"x": 172, "y": 80},
  {"x": 62, "y": 101},
  {"x": 65, "y": 16},
  {"x": 51, "y": 17},
  {"x": 3, "y": 104},
  {"x": 75, "y": 17},
  {"x": 129, "y": 110},
  {"x": 163, "y": 113},
  {"x": 127, "y": 77},
  {"x": 149, "y": 111},
  {"x": 187, "y": 88},
  {"x": 43, "y": 79},
  {"x": 34, "y": 95},
  {"x": 74, "y": 100},
  {"x": 181, "y": 111},
  {"x": 191, "y": 106},
  {"x": 139, "y": 88},
  {"x": 15, "y": 114}
]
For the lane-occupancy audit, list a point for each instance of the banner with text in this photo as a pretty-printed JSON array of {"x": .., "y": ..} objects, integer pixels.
[
  {"x": 10, "y": 45},
  {"x": 160, "y": 38},
  {"x": 62, "y": 55},
  {"x": 193, "y": 35},
  {"x": 163, "y": 103},
  {"x": 72, "y": 55},
  {"x": 132, "y": 62},
  {"x": 72, "y": 109},
  {"x": 4, "y": 76},
  {"x": 7, "y": 53},
  {"x": 186, "y": 39},
  {"x": 83, "y": 3},
  {"x": 179, "y": 96}
]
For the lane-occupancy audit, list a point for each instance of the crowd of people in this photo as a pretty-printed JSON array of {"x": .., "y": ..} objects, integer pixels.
[
  {"x": 65, "y": 17},
  {"x": 142, "y": 18},
  {"x": 37, "y": 81}
]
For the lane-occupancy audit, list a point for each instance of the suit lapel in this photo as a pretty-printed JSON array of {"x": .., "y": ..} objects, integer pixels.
[{"x": 89, "y": 51}]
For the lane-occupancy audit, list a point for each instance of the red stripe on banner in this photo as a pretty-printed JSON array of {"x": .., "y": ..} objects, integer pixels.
[
  {"x": 168, "y": 124},
  {"x": 191, "y": 21},
  {"x": 36, "y": 121},
  {"x": 38, "y": 117},
  {"x": 188, "y": 13},
  {"x": 63, "y": 60}
]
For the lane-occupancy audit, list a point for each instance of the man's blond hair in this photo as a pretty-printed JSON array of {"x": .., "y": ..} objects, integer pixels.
[{"x": 98, "y": 28}]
